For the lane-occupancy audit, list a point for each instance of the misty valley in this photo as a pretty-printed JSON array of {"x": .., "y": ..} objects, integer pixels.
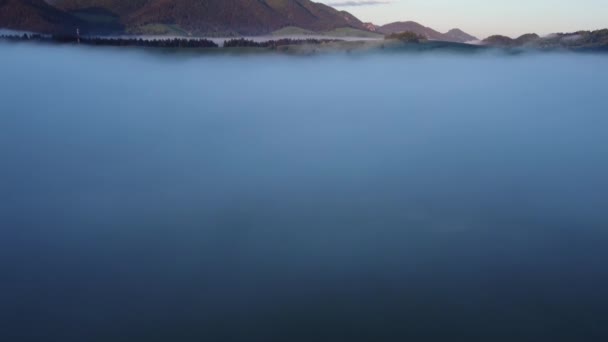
[{"x": 185, "y": 197}]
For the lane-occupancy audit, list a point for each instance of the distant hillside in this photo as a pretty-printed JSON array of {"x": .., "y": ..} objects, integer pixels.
[
  {"x": 575, "y": 40},
  {"x": 455, "y": 35},
  {"x": 499, "y": 41},
  {"x": 249, "y": 17},
  {"x": 410, "y": 26},
  {"x": 459, "y": 36},
  {"x": 504, "y": 41},
  {"x": 36, "y": 16}
]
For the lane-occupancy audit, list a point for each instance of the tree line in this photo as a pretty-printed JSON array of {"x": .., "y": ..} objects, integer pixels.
[
  {"x": 162, "y": 43},
  {"x": 100, "y": 41}
]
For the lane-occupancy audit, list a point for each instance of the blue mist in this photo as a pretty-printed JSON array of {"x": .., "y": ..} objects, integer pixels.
[{"x": 423, "y": 197}]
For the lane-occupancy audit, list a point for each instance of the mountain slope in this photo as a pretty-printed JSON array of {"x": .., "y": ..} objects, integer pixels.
[
  {"x": 36, "y": 16},
  {"x": 222, "y": 16},
  {"x": 118, "y": 7},
  {"x": 454, "y": 35}
]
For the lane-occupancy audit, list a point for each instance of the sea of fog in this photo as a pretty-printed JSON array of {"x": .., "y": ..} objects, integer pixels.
[{"x": 402, "y": 197}]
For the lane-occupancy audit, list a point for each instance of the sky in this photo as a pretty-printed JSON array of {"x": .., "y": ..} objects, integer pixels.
[{"x": 485, "y": 17}]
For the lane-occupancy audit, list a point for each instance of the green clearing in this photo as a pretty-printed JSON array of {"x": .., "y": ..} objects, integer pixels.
[
  {"x": 96, "y": 18},
  {"x": 346, "y": 32},
  {"x": 293, "y": 31},
  {"x": 158, "y": 30}
]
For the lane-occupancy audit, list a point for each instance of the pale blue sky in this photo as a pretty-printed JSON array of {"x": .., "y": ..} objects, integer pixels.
[{"x": 486, "y": 17}]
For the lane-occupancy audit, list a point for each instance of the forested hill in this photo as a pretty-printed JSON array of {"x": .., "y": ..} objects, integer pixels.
[
  {"x": 576, "y": 40},
  {"x": 198, "y": 17}
]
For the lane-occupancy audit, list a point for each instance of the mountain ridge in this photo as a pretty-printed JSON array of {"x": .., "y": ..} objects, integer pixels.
[
  {"x": 454, "y": 35},
  {"x": 212, "y": 17}
]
